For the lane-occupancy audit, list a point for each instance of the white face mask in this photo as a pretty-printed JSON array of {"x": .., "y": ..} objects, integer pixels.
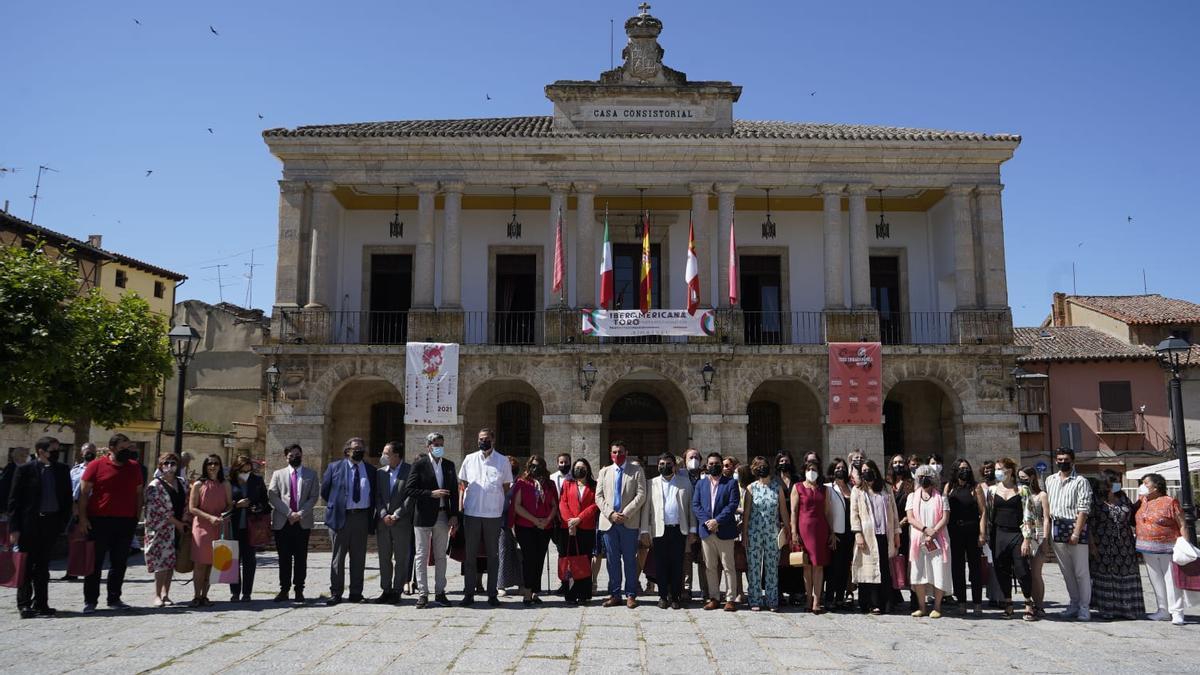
[
  {"x": 693, "y": 464},
  {"x": 1143, "y": 490},
  {"x": 999, "y": 473},
  {"x": 937, "y": 468},
  {"x": 243, "y": 476},
  {"x": 811, "y": 476},
  {"x": 1116, "y": 488}
]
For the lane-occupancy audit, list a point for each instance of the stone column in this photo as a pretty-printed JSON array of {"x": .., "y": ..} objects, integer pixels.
[
  {"x": 452, "y": 245},
  {"x": 991, "y": 232},
  {"x": 725, "y": 197},
  {"x": 964, "y": 247},
  {"x": 700, "y": 192},
  {"x": 423, "y": 261},
  {"x": 587, "y": 266},
  {"x": 322, "y": 279},
  {"x": 558, "y": 205},
  {"x": 835, "y": 257},
  {"x": 291, "y": 253},
  {"x": 860, "y": 247}
]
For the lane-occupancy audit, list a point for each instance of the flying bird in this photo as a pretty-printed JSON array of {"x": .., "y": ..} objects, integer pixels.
[
  {"x": 214, "y": 30},
  {"x": 1128, "y": 219},
  {"x": 210, "y": 130},
  {"x": 137, "y": 22},
  {"x": 260, "y": 116},
  {"x": 488, "y": 96},
  {"x": 148, "y": 172}
]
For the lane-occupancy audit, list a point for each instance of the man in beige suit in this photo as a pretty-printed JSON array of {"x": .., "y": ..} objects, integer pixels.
[
  {"x": 293, "y": 493},
  {"x": 620, "y": 495},
  {"x": 668, "y": 518}
]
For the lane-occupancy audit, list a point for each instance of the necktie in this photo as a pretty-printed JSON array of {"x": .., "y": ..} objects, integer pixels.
[
  {"x": 617, "y": 488},
  {"x": 293, "y": 502},
  {"x": 356, "y": 493}
]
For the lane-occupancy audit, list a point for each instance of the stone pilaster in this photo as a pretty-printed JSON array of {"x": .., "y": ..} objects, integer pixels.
[
  {"x": 326, "y": 214},
  {"x": 452, "y": 246},
  {"x": 991, "y": 232},
  {"x": 291, "y": 252},
  {"x": 860, "y": 247},
  {"x": 587, "y": 267},
  {"x": 842, "y": 438},
  {"x": 725, "y": 205},
  {"x": 423, "y": 261},
  {"x": 704, "y": 433},
  {"x": 558, "y": 207},
  {"x": 700, "y": 224},
  {"x": 964, "y": 247},
  {"x": 835, "y": 256},
  {"x": 578, "y": 434}
]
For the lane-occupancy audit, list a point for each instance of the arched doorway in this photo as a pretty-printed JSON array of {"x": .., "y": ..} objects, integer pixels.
[
  {"x": 640, "y": 420},
  {"x": 919, "y": 418},
  {"x": 649, "y": 413},
  {"x": 512, "y": 409},
  {"x": 370, "y": 408},
  {"x": 784, "y": 415}
]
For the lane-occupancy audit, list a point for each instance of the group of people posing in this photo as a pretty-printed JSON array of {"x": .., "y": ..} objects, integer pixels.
[{"x": 767, "y": 535}]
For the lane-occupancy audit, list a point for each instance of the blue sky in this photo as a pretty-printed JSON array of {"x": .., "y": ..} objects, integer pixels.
[{"x": 1105, "y": 95}]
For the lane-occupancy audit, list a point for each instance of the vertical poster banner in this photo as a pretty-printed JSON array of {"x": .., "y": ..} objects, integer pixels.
[
  {"x": 855, "y": 383},
  {"x": 431, "y": 383}
]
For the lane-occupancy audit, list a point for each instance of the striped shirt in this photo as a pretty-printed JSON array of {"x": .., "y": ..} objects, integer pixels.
[{"x": 1068, "y": 497}]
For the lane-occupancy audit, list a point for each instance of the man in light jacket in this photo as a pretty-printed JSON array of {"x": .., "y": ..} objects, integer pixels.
[
  {"x": 620, "y": 495},
  {"x": 293, "y": 493},
  {"x": 669, "y": 520}
]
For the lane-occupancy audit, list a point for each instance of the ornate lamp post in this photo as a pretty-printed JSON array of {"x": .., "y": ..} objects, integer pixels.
[
  {"x": 587, "y": 379},
  {"x": 1174, "y": 354},
  {"x": 706, "y": 376},
  {"x": 184, "y": 341},
  {"x": 273, "y": 381}
]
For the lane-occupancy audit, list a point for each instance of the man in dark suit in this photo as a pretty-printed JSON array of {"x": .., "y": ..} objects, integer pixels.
[
  {"x": 38, "y": 507},
  {"x": 395, "y": 528},
  {"x": 432, "y": 488},
  {"x": 715, "y": 503},
  {"x": 348, "y": 489}
]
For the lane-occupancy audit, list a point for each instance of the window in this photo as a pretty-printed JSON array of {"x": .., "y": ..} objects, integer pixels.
[
  {"x": 160, "y": 289},
  {"x": 122, "y": 278},
  {"x": 1069, "y": 436},
  {"x": 762, "y": 299},
  {"x": 513, "y": 429},
  {"x": 1116, "y": 407},
  {"x": 1031, "y": 398},
  {"x": 627, "y": 274}
]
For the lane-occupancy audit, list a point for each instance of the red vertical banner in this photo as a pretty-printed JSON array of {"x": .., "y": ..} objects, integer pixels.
[{"x": 855, "y": 383}]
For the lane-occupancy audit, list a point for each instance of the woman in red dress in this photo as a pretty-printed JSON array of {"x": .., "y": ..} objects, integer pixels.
[{"x": 810, "y": 517}]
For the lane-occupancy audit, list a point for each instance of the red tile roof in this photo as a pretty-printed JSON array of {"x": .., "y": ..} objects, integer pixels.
[
  {"x": 1141, "y": 309},
  {"x": 1076, "y": 343}
]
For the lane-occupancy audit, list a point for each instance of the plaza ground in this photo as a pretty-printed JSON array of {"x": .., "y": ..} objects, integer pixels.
[{"x": 552, "y": 638}]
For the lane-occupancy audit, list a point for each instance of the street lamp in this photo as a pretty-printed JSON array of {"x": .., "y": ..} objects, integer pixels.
[
  {"x": 587, "y": 378},
  {"x": 706, "y": 374},
  {"x": 273, "y": 381},
  {"x": 184, "y": 341},
  {"x": 1174, "y": 354}
]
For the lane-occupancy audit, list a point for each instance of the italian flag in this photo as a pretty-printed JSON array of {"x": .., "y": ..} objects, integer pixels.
[
  {"x": 644, "y": 284},
  {"x": 606, "y": 269},
  {"x": 691, "y": 273}
]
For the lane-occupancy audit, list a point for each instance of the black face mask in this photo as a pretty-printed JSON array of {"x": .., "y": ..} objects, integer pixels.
[
  {"x": 841, "y": 474},
  {"x": 786, "y": 467},
  {"x": 52, "y": 455},
  {"x": 125, "y": 455},
  {"x": 485, "y": 445},
  {"x": 89, "y": 457},
  {"x": 926, "y": 482},
  {"x": 1023, "y": 481},
  {"x": 667, "y": 470},
  {"x": 900, "y": 471},
  {"x": 964, "y": 474},
  {"x": 1064, "y": 466},
  {"x": 564, "y": 469},
  {"x": 357, "y": 455},
  {"x": 762, "y": 471},
  {"x": 535, "y": 469},
  {"x": 714, "y": 470},
  {"x": 580, "y": 473},
  {"x": 857, "y": 463},
  {"x": 295, "y": 461},
  {"x": 868, "y": 475}
]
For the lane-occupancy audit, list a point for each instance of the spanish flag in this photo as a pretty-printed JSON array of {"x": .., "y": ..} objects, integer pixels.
[{"x": 644, "y": 286}]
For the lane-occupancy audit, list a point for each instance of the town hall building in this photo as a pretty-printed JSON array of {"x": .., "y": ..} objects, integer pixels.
[{"x": 444, "y": 230}]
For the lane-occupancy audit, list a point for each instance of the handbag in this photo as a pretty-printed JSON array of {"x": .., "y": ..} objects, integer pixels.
[
  {"x": 81, "y": 554},
  {"x": 13, "y": 568},
  {"x": 225, "y": 560},
  {"x": 259, "y": 529},
  {"x": 1187, "y": 577},
  {"x": 781, "y": 539},
  {"x": 899, "y": 565},
  {"x": 183, "y": 553},
  {"x": 740, "y": 563},
  {"x": 1063, "y": 527},
  {"x": 574, "y": 567},
  {"x": 798, "y": 558}
]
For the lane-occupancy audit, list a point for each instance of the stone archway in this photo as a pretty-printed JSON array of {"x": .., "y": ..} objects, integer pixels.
[
  {"x": 784, "y": 414},
  {"x": 513, "y": 410},
  {"x": 649, "y": 413},
  {"x": 368, "y": 407},
  {"x": 921, "y": 417}
]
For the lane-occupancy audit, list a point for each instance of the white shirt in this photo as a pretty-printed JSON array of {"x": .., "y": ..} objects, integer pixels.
[
  {"x": 558, "y": 477},
  {"x": 668, "y": 490},
  {"x": 485, "y": 478},
  {"x": 841, "y": 519}
]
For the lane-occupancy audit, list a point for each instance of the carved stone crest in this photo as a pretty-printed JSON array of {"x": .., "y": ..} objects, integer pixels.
[
  {"x": 643, "y": 58},
  {"x": 991, "y": 381}
]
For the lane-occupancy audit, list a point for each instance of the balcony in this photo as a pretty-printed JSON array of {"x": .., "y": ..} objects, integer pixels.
[
  {"x": 1119, "y": 422},
  {"x": 561, "y": 326}
]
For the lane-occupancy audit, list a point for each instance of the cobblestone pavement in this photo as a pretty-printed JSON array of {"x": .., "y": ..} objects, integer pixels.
[{"x": 552, "y": 638}]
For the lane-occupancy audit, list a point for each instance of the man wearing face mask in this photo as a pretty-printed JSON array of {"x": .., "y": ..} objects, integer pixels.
[
  {"x": 485, "y": 478},
  {"x": 395, "y": 529},
  {"x": 432, "y": 487},
  {"x": 37, "y": 508},
  {"x": 348, "y": 489},
  {"x": 693, "y": 466},
  {"x": 714, "y": 504},
  {"x": 293, "y": 494},
  {"x": 620, "y": 496},
  {"x": 110, "y": 500},
  {"x": 1070, "y": 503},
  {"x": 668, "y": 519}
]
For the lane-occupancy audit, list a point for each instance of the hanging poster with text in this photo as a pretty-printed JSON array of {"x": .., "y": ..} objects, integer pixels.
[
  {"x": 629, "y": 323},
  {"x": 431, "y": 383},
  {"x": 855, "y": 383}
]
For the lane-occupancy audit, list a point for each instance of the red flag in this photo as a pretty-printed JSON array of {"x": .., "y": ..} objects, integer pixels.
[
  {"x": 691, "y": 273},
  {"x": 606, "y": 269},
  {"x": 733, "y": 271},
  {"x": 560, "y": 261},
  {"x": 644, "y": 286}
]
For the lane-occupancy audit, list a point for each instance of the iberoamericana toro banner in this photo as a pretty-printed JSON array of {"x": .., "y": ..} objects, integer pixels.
[
  {"x": 431, "y": 383},
  {"x": 855, "y": 383},
  {"x": 631, "y": 322}
]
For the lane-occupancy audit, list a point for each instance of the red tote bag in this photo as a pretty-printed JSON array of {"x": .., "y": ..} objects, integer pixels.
[
  {"x": 81, "y": 557},
  {"x": 574, "y": 567},
  {"x": 259, "y": 526},
  {"x": 12, "y": 568},
  {"x": 899, "y": 565},
  {"x": 1187, "y": 577}
]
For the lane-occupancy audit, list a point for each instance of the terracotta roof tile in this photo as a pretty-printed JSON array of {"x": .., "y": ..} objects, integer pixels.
[
  {"x": 1076, "y": 343},
  {"x": 1141, "y": 309},
  {"x": 541, "y": 126}
]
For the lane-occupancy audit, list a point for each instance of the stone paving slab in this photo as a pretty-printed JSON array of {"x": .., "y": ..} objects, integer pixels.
[{"x": 552, "y": 638}]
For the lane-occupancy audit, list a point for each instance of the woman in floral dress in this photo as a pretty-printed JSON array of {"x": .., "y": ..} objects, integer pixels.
[
  {"x": 764, "y": 513},
  {"x": 1116, "y": 580},
  {"x": 161, "y": 526}
]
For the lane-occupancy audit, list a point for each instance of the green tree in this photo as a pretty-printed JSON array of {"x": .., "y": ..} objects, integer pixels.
[
  {"x": 115, "y": 350},
  {"x": 34, "y": 329}
]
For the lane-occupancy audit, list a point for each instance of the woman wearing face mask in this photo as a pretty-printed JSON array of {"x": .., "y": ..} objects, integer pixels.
[
  {"x": 1159, "y": 523},
  {"x": 1116, "y": 579},
  {"x": 249, "y": 499},
  {"x": 163, "y": 522},
  {"x": 535, "y": 502},
  {"x": 510, "y": 573},
  {"x": 211, "y": 497},
  {"x": 1009, "y": 552},
  {"x": 902, "y": 487},
  {"x": 791, "y": 579},
  {"x": 855, "y": 459},
  {"x": 810, "y": 519},
  {"x": 929, "y": 560},
  {"x": 1036, "y": 524},
  {"x": 837, "y": 495},
  {"x": 579, "y": 514},
  {"x": 967, "y": 529},
  {"x": 935, "y": 460},
  {"x": 765, "y": 514},
  {"x": 876, "y": 539}
]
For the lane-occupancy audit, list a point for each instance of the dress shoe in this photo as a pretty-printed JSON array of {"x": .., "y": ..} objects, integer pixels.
[
  {"x": 299, "y": 597},
  {"x": 386, "y": 598},
  {"x": 335, "y": 600},
  {"x": 467, "y": 601},
  {"x": 631, "y": 602},
  {"x": 356, "y": 598},
  {"x": 422, "y": 602},
  {"x": 663, "y": 604},
  {"x": 612, "y": 601},
  {"x": 493, "y": 602},
  {"x": 281, "y": 596},
  {"x": 675, "y": 604},
  {"x": 45, "y": 611},
  {"x": 441, "y": 599},
  {"x": 28, "y": 613},
  {"x": 710, "y": 605},
  {"x": 730, "y": 607},
  {"x": 118, "y": 605}
]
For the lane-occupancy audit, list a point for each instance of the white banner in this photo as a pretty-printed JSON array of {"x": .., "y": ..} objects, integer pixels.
[
  {"x": 431, "y": 383},
  {"x": 628, "y": 323}
]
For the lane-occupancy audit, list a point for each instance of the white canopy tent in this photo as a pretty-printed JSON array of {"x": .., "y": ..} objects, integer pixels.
[{"x": 1169, "y": 470}]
